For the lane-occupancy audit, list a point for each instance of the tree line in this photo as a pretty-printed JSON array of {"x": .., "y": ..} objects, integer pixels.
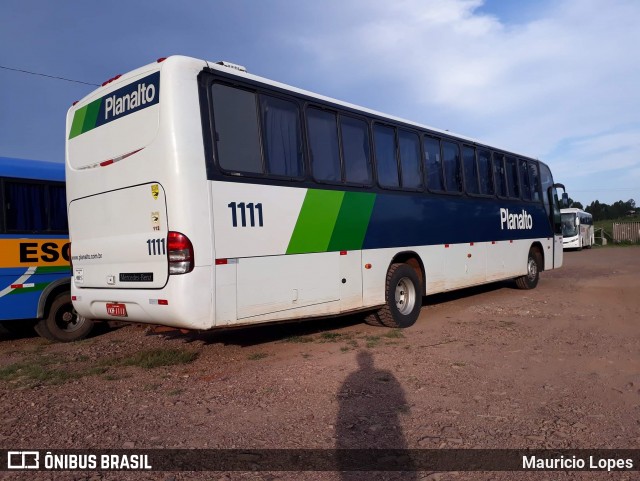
[{"x": 601, "y": 211}]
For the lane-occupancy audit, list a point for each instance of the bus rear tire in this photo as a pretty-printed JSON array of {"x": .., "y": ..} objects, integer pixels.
[
  {"x": 403, "y": 294},
  {"x": 534, "y": 266},
  {"x": 63, "y": 324}
]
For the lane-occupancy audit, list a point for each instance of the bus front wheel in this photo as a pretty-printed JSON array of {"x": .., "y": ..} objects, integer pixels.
[
  {"x": 63, "y": 323},
  {"x": 403, "y": 294},
  {"x": 534, "y": 266}
]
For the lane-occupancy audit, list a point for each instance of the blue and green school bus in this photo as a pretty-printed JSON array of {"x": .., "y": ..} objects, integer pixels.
[{"x": 34, "y": 251}]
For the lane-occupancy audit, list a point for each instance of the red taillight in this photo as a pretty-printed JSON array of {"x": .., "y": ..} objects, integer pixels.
[{"x": 180, "y": 252}]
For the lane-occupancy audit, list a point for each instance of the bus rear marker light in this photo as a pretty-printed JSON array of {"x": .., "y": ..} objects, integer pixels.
[{"x": 367, "y": 266}]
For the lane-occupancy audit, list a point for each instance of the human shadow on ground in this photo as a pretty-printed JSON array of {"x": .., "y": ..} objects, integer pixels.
[{"x": 371, "y": 403}]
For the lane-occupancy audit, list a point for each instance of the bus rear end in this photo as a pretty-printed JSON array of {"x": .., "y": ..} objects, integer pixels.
[{"x": 134, "y": 167}]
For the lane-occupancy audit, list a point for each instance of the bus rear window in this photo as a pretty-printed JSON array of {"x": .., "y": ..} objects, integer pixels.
[
  {"x": 236, "y": 124},
  {"x": 238, "y": 128}
]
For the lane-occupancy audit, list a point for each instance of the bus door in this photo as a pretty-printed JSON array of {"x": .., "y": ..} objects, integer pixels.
[
  {"x": 556, "y": 222},
  {"x": 552, "y": 208}
]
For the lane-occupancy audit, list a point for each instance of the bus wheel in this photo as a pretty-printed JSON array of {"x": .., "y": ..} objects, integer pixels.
[
  {"x": 63, "y": 323},
  {"x": 531, "y": 278},
  {"x": 403, "y": 296}
]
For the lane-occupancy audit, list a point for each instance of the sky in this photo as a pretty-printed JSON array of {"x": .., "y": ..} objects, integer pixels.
[{"x": 557, "y": 80}]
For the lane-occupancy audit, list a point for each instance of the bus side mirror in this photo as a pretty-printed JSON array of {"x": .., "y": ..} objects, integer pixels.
[{"x": 565, "y": 199}]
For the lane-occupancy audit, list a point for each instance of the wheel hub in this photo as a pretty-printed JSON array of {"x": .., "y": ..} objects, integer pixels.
[{"x": 405, "y": 296}]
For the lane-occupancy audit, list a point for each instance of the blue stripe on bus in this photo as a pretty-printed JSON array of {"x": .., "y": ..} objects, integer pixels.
[{"x": 447, "y": 220}]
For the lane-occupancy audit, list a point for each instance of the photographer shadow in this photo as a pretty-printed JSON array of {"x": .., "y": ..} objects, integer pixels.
[{"x": 371, "y": 402}]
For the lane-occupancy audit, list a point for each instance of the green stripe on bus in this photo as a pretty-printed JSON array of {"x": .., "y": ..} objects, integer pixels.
[
  {"x": 85, "y": 118},
  {"x": 78, "y": 122},
  {"x": 52, "y": 269},
  {"x": 316, "y": 221},
  {"x": 92, "y": 116},
  {"x": 353, "y": 220}
]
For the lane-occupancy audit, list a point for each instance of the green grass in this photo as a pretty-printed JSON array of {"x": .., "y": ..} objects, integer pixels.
[
  {"x": 50, "y": 369},
  {"x": 394, "y": 334},
  {"x": 372, "y": 341},
  {"x": 607, "y": 225},
  {"x": 331, "y": 337},
  {"x": 299, "y": 339},
  {"x": 35, "y": 372}
]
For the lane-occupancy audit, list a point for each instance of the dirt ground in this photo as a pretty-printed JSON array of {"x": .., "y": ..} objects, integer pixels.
[{"x": 489, "y": 367}]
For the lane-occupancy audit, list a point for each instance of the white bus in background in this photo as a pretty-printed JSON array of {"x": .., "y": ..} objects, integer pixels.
[
  {"x": 202, "y": 196},
  {"x": 577, "y": 229}
]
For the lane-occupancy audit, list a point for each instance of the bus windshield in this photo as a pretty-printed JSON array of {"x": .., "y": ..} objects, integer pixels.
[{"x": 569, "y": 227}]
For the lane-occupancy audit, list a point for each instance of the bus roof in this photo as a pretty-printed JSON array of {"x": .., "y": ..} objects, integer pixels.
[
  {"x": 573, "y": 210},
  {"x": 231, "y": 69},
  {"x": 31, "y": 169}
]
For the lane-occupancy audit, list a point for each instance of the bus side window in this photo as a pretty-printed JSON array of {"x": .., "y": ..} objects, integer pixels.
[
  {"x": 451, "y": 163},
  {"x": 386, "y": 162},
  {"x": 282, "y": 136},
  {"x": 470, "y": 170},
  {"x": 499, "y": 174},
  {"x": 323, "y": 145},
  {"x": 535, "y": 181},
  {"x": 25, "y": 205},
  {"x": 546, "y": 181},
  {"x": 237, "y": 135},
  {"x": 485, "y": 172},
  {"x": 410, "y": 160},
  {"x": 511, "y": 171},
  {"x": 355, "y": 150},
  {"x": 433, "y": 163},
  {"x": 58, "y": 208},
  {"x": 525, "y": 182}
]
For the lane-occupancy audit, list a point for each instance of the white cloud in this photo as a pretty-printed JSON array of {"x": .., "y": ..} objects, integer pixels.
[{"x": 571, "y": 73}]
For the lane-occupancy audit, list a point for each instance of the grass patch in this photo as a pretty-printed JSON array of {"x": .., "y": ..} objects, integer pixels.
[
  {"x": 330, "y": 337},
  {"x": 394, "y": 334},
  {"x": 299, "y": 339},
  {"x": 35, "y": 372},
  {"x": 151, "y": 358},
  {"x": 257, "y": 356},
  {"x": 50, "y": 369},
  {"x": 372, "y": 341}
]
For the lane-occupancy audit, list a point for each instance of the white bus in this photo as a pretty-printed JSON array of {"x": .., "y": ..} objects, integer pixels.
[
  {"x": 577, "y": 229},
  {"x": 202, "y": 196}
]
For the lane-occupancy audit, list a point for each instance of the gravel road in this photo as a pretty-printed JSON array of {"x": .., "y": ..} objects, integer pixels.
[{"x": 488, "y": 367}]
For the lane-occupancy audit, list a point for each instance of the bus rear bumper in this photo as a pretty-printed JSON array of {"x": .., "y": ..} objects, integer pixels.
[{"x": 167, "y": 306}]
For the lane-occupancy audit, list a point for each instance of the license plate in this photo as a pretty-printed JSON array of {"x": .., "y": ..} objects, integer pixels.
[{"x": 117, "y": 310}]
